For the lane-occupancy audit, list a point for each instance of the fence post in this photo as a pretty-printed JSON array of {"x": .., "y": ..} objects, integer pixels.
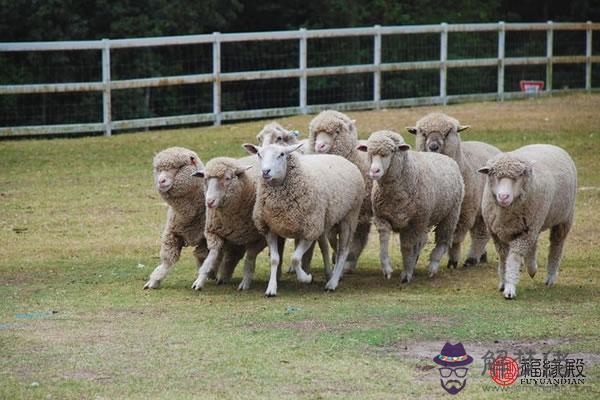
[
  {"x": 549, "y": 51},
  {"x": 217, "y": 78},
  {"x": 443, "y": 65},
  {"x": 588, "y": 57},
  {"x": 106, "y": 96},
  {"x": 501, "y": 50},
  {"x": 377, "y": 65},
  {"x": 303, "y": 78}
]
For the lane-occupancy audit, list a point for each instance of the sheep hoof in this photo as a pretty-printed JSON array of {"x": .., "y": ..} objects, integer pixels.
[
  {"x": 244, "y": 285},
  {"x": 510, "y": 292},
  {"x": 469, "y": 262},
  {"x": 331, "y": 286},
  {"x": 532, "y": 270},
  {"x": 550, "y": 280},
  {"x": 152, "y": 284},
  {"x": 221, "y": 281},
  {"x": 452, "y": 264},
  {"x": 483, "y": 259},
  {"x": 270, "y": 294},
  {"x": 198, "y": 284}
]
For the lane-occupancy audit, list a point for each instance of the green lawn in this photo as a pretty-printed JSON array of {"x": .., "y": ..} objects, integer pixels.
[{"x": 79, "y": 234}]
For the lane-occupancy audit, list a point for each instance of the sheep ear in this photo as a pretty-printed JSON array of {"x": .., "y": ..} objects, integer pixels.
[
  {"x": 412, "y": 129},
  {"x": 462, "y": 128},
  {"x": 250, "y": 148},
  {"x": 293, "y": 148},
  {"x": 529, "y": 168},
  {"x": 199, "y": 173},
  {"x": 403, "y": 147},
  {"x": 362, "y": 147},
  {"x": 241, "y": 170},
  {"x": 484, "y": 170}
]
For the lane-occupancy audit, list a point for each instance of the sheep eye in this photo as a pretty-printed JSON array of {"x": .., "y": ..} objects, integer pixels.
[
  {"x": 279, "y": 139},
  {"x": 281, "y": 155}
]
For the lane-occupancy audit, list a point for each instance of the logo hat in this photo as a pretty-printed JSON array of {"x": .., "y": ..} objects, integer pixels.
[{"x": 453, "y": 355}]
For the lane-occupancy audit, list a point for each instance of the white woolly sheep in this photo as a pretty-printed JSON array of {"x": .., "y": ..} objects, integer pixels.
[
  {"x": 230, "y": 191},
  {"x": 173, "y": 179},
  {"x": 528, "y": 191},
  {"x": 439, "y": 133},
  {"x": 306, "y": 198},
  {"x": 332, "y": 132},
  {"x": 412, "y": 192}
]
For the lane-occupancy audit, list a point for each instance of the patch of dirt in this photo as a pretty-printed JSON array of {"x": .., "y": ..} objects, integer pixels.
[{"x": 426, "y": 350}]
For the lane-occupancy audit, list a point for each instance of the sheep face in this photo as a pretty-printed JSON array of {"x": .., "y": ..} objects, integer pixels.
[
  {"x": 437, "y": 133},
  {"x": 381, "y": 148},
  {"x": 173, "y": 169},
  {"x": 273, "y": 161},
  {"x": 507, "y": 179},
  {"x": 221, "y": 181}
]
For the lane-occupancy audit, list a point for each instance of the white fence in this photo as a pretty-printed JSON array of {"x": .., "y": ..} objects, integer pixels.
[{"x": 302, "y": 72}]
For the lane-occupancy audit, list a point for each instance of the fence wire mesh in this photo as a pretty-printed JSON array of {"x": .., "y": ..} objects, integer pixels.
[{"x": 164, "y": 99}]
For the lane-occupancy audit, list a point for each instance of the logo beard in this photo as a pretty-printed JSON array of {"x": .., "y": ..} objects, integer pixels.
[{"x": 453, "y": 386}]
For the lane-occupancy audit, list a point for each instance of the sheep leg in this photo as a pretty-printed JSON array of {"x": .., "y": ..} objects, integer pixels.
[
  {"x": 443, "y": 238},
  {"x": 281, "y": 246},
  {"x": 345, "y": 236},
  {"x": 558, "y": 235},
  {"x": 502, "y": 250},
  {"x": 479, "y": 238},
  {"x": 231, "y": 255},
  {"x": 252, "y": 252},
  {"x": 511, "y": 274},
  {"x": 385, "y": 230},
  {"x": 333, "y": 242},
  {"x": 325, "y": 255},
  {"x": 291, "y": 269},
  {"x": 307, "y": 257},
  {"x": 209, "y": 264},
  {"x": 170, "y": 250},
  {"x": 359, "y": 241},
  {"x": 272, "y": 242},
  {"x": 301, "y": 247},
  {"x": 454, "y": 252},
  {"x": 409, "y": 246},
  {"x": 531, "y": 260}
]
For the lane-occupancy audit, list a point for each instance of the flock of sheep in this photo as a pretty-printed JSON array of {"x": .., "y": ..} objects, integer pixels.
[{"x": 329, "y": 188}]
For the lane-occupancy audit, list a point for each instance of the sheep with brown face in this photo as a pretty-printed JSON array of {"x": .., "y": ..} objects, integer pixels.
[
  {"x": 332, "y": 132},
  {"x": 274, "y": 133},
  {"x": 413, "y": 192},
  {"x": 230, "y": 193},
  {"x": 440, "y": 133},
  {"x": 173, "y": 169},
  {"x": 528, "y": 191}
]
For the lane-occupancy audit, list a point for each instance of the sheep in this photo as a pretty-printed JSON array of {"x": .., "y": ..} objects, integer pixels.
[
  {"x": 439, "y": 133},
  {"x": 332, "y": 132},
  {"x": 306, "y": 198},
  {"x": 173, "y": 168},
  {"x": 277, "y": 134},
  {"x": 230, "y": 191},
  {"x": 528, "y": 190},
  {"x": 413, "y": 192}
]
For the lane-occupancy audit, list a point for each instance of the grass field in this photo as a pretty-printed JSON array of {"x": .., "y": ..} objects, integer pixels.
[{"x": 79, "y": 233}]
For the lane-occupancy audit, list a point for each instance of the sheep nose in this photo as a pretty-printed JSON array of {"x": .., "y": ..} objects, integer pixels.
[
  {"x": 375, "y": 171},
  {"x": 210, "y": 203},
  {"x": 321, "y": 147},
  {"x": 503, "y": 196},
  {"x": 266, "y": 173},
  {"x": 163, "y": 180},
  {"x": 434, "y": 147}
]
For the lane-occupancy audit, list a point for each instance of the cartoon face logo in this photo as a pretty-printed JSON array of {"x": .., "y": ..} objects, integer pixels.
[{"x": 453, "y": 373}]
